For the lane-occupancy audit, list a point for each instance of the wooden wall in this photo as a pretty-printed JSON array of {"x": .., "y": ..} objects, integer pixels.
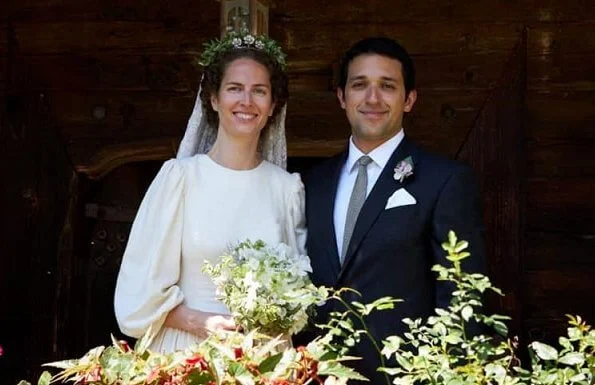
[
  {"x": 559, "y": 265},
  {"x": 119, "y": 77}
]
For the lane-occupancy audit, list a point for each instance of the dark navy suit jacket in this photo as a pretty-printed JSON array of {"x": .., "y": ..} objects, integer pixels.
[{"x": 392, "y": 250}]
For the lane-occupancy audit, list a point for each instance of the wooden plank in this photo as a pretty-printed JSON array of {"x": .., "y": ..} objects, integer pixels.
[
  {"x": 65, "y": 10},
  {"x": 142, "y": 37},
  {"x": 97, "y": 158},
  {"x": 560, "y": 115},
  {"x": 3, "y": 73},
  {"x": 3, "y": 38},
  {"x": 328, "y": 42},
  {"x": 561, "y": 158},
  {"x": 571, "y": 38},
  {"x": 546, "y": 330},
  {"x": 554, "y": 293},
  {"x": 571, "y": 193},
  {"x": 564, "y": 206},
  {"x": 555, "y": 251},
  {"x": 155, "y": 72},
  {"x": 465, "y": 70},
  {"x": 382, "y": 11},
  {"x": 127, "y": 115},
  {"x": 561, "y": 72}
]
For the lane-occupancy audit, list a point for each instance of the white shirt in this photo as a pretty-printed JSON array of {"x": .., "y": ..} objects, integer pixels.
[{"x": 380, "y": 156}]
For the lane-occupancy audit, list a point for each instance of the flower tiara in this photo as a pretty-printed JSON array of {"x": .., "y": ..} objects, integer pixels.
[{"x": 243, "y": 39}]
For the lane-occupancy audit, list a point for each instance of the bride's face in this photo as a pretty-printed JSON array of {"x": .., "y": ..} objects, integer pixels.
[{"x": 244, "y": 101}]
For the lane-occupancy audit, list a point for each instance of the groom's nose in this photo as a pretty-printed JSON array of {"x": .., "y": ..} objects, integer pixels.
[{"x": 372, "y": 94}]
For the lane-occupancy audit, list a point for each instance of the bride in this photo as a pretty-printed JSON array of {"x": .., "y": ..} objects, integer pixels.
[{"x": 227, "y": 184}]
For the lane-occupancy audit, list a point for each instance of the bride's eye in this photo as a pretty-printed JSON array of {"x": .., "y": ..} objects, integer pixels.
[{"x": 261, "y": 91}]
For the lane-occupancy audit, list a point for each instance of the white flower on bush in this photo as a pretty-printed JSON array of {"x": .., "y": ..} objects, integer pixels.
[{"x": 266, "y": 287}]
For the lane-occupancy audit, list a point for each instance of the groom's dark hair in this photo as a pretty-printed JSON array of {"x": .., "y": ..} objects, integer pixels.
[{"x": 383, "y": 46}]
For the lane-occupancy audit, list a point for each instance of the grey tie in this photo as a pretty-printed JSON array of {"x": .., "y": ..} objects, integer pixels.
[{"x": 358, "y": 197}]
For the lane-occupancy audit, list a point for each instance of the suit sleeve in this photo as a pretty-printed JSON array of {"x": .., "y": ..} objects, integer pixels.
[{"x": 458, "y": 208}]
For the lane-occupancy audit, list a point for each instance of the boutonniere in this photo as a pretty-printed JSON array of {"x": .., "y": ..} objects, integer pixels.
[{"x": 404, "y": 169}]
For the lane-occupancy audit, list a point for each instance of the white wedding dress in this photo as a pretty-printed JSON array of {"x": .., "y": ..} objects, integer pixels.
[{"x": 195, "y": 210}]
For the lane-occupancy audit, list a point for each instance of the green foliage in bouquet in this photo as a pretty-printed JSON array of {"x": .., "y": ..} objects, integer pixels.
[
  {"x": 441, "y": 351},
  {"x": 266, "y": 287}
]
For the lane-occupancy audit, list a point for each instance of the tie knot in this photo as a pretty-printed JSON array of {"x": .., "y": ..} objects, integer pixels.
[{"x": 364, "y": 161}]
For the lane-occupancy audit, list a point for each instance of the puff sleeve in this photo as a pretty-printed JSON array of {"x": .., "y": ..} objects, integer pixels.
[
  {"x": 146, "y": 289},
  {"x": 296, "y": 215}
]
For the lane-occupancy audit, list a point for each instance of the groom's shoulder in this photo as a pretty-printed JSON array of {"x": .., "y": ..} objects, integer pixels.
[
  {"x": 439, "y": 167},
  {"x": 323, "y": 170}
]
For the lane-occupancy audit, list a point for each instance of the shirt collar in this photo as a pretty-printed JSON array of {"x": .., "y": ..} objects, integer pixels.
[{"x": 380, "y": 155}]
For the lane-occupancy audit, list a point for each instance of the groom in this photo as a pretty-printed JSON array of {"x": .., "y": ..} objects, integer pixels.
[{"x": 378, "y": 213}]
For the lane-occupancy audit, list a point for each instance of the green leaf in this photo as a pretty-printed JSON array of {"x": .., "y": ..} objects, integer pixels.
[
  {"x": 544, "y": 351},
  {"x": 404, "y": 362},
  {"x": 501, "y": 328},
  {"x": 341, "y": 371},
  {"x": 45, "y": 378},
  {"x": 572, "y": 358},
  {"x": 199, "y": 378},
  {"x": 467, "y": 313},
  {"x": 269, "y": 364}
]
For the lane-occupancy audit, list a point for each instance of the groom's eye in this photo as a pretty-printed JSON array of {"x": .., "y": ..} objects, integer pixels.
[{"x": 358, "y": 85}]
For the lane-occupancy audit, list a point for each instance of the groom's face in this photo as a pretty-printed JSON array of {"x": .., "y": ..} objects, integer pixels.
[{"x": 374, "y": 99}]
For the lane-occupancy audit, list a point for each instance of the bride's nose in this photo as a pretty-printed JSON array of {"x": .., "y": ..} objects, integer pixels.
[{"x": 247, "y": 98}]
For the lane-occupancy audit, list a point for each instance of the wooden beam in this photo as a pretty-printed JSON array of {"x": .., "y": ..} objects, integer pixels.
[
  {"x": 403, "y": 11},
  {"x": 569, "y": 158},
  {"x": 122, "y": 36},
  {"x": 560, "y": 115},
  {"x": 203, "y": 12},
  {"x": 561, "y": 205},
  {"x": 328, "y": 42},
  {"x": 547, "y": 250},
  {"x": 561, "y": 73},
  {"x": 110, "y": 157},
  {"x": 570, "y": 38}
]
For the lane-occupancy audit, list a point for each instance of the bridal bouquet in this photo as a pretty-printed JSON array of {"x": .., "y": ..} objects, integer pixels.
[{"x": 266, "y": 287}]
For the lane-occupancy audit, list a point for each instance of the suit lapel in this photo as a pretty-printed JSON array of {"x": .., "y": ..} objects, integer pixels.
[
  {"x": 385, "y": 186},
  {"x": 329, "y": 193}
]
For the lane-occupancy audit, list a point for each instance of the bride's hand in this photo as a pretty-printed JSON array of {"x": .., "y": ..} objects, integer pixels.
[
  {"x": 198, "y": 322},
  {"x": 209, "y": 322}
]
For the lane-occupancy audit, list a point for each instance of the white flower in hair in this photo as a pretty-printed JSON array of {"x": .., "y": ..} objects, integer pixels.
[
  {"x": 237, "y": 42},
  {"x": 259, "y": 44}
]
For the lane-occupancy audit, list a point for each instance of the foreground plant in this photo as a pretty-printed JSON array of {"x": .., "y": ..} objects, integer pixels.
[
  {"x": 222, "y": 359},
  {"x": 440, "y": 350}
]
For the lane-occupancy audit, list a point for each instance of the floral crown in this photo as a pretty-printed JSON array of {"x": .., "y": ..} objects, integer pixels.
[{"x": 243, "y": 39}]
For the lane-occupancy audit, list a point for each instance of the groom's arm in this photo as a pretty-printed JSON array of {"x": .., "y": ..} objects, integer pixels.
[{"x": 458, "y": 208}]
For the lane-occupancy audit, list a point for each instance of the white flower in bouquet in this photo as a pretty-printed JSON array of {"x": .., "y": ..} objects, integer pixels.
[{"x": 266, "y": 287}]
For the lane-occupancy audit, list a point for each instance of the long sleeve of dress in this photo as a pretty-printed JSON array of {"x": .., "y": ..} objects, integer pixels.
[
  {"x": 147, "y": 289},
  {"x": 296, "y": 215}
]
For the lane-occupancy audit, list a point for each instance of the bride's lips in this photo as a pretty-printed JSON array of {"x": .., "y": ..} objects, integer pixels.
[{"x": 245, "y": 116}]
